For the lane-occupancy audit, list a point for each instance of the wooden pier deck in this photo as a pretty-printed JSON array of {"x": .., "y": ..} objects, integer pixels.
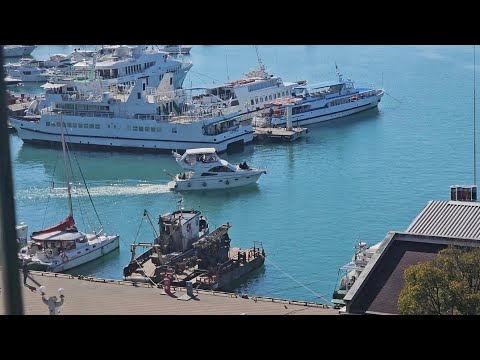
[
  {"x": 278, "y": 134},
  {"x": 93, "y": 296}
]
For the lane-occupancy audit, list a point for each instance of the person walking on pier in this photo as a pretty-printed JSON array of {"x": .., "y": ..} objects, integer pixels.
[{"x": 25, "y": 271}]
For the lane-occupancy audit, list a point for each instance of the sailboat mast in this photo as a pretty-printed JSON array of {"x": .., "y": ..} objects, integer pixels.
[
  {"x": 66, "y": 169},
  {"x": 474, "y": 125},
  {"x": 260, "y": 64}
]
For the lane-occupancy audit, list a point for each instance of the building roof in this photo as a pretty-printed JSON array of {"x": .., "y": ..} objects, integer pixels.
[
  {"x": 438, "y": 225},
  {"x": 459, "y": 219},
  {"x": 379, "y": 285}
]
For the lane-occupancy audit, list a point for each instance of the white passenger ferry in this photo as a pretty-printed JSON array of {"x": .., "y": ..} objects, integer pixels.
[
  {"x": 320, "y": 102},
  {"x": 132, "y": 117}
]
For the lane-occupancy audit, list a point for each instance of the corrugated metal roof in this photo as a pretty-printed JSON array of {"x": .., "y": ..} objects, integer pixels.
[{"x": 459, "y": 219}]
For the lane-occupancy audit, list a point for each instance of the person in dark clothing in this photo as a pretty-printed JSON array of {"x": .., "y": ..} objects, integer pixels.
[{"x": 25, "y": 272}]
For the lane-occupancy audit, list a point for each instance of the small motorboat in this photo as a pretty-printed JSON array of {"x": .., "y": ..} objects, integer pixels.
[{"x": 205, "y": 170}]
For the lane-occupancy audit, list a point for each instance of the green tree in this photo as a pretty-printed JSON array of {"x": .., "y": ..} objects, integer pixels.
[{"x": 450, "y": 284}]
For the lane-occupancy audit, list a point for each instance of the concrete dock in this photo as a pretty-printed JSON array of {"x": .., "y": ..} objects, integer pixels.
[
  {"x": 18, "y": 108},
  {"x": 93, "y": 296},
  {"x": 278, "y": 134}
]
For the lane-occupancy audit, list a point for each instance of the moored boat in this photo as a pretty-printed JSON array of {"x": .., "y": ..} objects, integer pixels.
[
  {"x": 349, "y": 273},
  {"x": 321, "y": 102},
  {"x": 62, "y": 246},
  {"x": 186, "y": 254},
  {"x": 134, "y": 117}
]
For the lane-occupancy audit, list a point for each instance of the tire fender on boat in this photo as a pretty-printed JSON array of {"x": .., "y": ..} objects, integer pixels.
[
  {"x": 227, "y": 182},
  {"x": 64, "y": 257},
  {"x": 204, "y": 184}
]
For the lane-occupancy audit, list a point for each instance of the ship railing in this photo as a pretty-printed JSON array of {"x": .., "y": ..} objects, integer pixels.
[
  {"x": 79, "y": 113},
  {"x": 81, "y": 97}
]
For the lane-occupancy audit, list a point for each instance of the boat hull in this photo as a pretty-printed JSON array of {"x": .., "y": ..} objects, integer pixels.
[
  {"x": 77, "y": 259},
  {"x": 210, "y": 184},
  {"x": 226, "y": 279},
  {"x": 186, "y": 137},
  {"x": 324, "y": 114},
  {"x": 18, "y": 51}
]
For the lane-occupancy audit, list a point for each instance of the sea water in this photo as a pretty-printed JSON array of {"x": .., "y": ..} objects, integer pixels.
[{"x": 351, "y": 179}]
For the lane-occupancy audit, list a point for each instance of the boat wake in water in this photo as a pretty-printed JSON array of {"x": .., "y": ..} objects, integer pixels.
[{"x": 113, "y": 189}]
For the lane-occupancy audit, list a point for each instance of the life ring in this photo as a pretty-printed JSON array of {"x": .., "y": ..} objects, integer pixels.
[
  {"x": 189, "y": 227},
  {"x": 227, "y": 182},
  {"x": 64, "y": 257}
]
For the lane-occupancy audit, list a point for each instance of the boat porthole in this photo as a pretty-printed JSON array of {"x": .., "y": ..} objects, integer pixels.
[
  {"x": 204, "y": 184},
  {"x": 227, "y": 182},
  {"x": 189, "y": 184}
]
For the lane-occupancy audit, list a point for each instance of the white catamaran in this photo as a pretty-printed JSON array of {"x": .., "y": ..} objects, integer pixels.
[{"x": 62, "y": 246}]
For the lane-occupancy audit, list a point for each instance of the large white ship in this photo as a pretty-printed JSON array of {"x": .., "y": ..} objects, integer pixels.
[
  {"x": 317, "y": 103},
  {"x": 123, "y": 64},
  {"x": 251, "y": 93},
  {"x": 132, "y": 117}
]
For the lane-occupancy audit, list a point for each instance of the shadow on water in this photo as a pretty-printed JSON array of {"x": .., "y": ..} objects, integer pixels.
[
  {"x": 98, "y": 165},
  {"x": 93, "y": 266},
  {"x": 221, "y": 194},
  {"x": 347, "y": 121}
]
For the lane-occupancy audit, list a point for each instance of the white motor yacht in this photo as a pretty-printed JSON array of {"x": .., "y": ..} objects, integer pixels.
[{"x": 205, "y": 170}]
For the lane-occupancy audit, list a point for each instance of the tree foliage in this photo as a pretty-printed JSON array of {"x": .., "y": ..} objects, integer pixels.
[{"x": 450, "y": 284}]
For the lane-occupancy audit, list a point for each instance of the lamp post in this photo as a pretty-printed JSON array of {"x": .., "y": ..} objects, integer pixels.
[{"x": 52, "y": 302}]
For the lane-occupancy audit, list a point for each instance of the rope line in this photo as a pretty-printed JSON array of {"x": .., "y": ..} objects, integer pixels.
[{"x": 298, "y": 282}]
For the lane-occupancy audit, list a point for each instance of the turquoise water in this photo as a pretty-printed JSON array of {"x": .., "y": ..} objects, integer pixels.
[{"x": 353, "y": 178}]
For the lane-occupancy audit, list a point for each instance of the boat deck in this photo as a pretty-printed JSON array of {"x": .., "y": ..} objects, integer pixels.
[
  {"x": 93, "y": 296},
  {"x": 18, "y": 109}
]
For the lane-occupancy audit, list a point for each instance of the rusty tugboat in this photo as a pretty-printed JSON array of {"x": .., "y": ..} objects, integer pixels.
[{"x": 185, "y": 253}]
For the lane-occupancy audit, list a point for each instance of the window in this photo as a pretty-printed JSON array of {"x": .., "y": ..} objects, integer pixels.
[
  {"x": 152, "y": 129},
  {"x": 283, "y": 93},
  {"x": 92, "y": 126},
  {"x": 256, "y": 100},
  {"x": 135, "y": 128},
  {"x": 174, "y": 130},
  {"x": 220, "y": 169},
  {"x": 208, "y": 174},
  {"x": 147, "y": 129},
  {"x": 47, "y": 123},
  {"x": 80, "y": 126},
  {"x": 140, "y": 128},
  {"x": 270, "y": 97},
  {"x": 139, "y": 96},
  {"x": 74, "y": 125},
  {"x": 85, "y": 126},
  {"x": 69, "y": 125},
  {"x": 252, "y": 102},
  {"x": 97, "y": 126},
  {"x": 274, "y": 96}
]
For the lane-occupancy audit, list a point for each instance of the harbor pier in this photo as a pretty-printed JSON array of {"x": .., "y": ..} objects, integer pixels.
[{"x": 86, "y": 295}]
